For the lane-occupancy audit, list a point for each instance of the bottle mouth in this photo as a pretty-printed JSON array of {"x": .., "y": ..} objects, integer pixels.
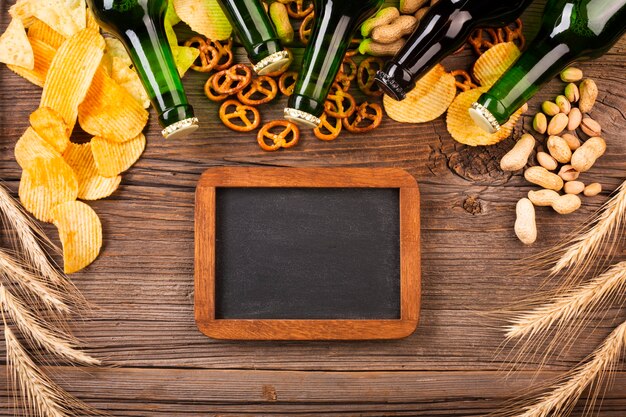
[
  {"x": 390, "y": 86},
  {"x": 484, "y": 118},
  {"x": 181, "y": 128},
  {"x": 272, "y": 63},
  {"x": 301, "y": 117}
]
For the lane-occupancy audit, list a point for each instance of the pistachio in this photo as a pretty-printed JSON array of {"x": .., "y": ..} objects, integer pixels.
[
  {"x": 546, "y": 161},
  {"x": 550, "y": 108},
  {"x": 572, "y": 141},
  {"x": 557, "y": 124},
  {"x": 590, "y": 127},
  {"x": 564, "y": 105},
  {"x": 592, "y": 189},
  {"x": 571, "y": 75},
  {"x": 588, "y": 95},
  {"x": 574, "y": 119},
  {"x": 559, "y": 149},
  {"x": 573, "y": 187},
  {"x": 572, "y": 93},
  {"x": 540, "y": 123},
  {"x": 568, "y": 173}
]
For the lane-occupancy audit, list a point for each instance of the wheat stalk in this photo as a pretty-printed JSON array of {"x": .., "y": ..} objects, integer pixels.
[
  {"x": 565, "y": 394},
  {"x": 54, "y": 342}
]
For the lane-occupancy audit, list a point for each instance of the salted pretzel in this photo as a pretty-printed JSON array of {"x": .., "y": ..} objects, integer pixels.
[
  {"x": 306, "y": 28},
  {"x": 287, "y": 82},
  {"x": 212, "y": 94},
  {"x": 368, "y": 117},
  {"x": 341, "y": 104},
  {"x": 329, "y": 127},
  {"x": 262, "y": 86},
  {"x": 286, "y": 138},
  {"x": 208, "y": 57},
  {"x": 365, "y": 76},
  {"x": 465, "y": 82},
  {"x": 240, "y": 112},
  {"x": 232, "y": 80}
]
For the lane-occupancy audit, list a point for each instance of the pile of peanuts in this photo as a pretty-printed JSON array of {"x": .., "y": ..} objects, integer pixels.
[
  {"x": 384, "y": 33},
  {"x": 562, "y": 158}
]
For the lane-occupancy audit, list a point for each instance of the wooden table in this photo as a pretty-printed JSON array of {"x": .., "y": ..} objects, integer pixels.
[{"x": 142, "y": 282}]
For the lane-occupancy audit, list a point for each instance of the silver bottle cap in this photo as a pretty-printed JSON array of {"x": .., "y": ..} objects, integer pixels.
[
  {"x": 483, "y": 118},
  {"x": 272, "y": 63},
  {"x": 301, "y": 117},
  {"x": 181, "y": 128}
]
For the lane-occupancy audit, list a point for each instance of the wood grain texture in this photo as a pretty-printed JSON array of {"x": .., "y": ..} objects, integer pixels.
[{"x": 142, "y": 282}]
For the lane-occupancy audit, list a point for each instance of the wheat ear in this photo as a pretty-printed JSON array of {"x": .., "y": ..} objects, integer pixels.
[
  {"x": 565, "y": 394},
  {"x": 39, "y": 334},
  {"x": 570, "y": 305}
]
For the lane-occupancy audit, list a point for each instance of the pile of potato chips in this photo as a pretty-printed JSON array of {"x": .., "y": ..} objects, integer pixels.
[
  {"x": 86, "y": 80},
  {"x": 436, "y": 92}
]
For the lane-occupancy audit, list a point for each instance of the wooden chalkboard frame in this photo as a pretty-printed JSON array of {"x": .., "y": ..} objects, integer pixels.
[{"x": 280, "y": 329}]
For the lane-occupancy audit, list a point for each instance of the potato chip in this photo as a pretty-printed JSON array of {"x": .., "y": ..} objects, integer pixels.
[
  {"x": 170, "y": 14},
  {"x": 91, "y": 22},
  {"x": 184, "y": 56},
  {"x": 464, "y": 130},
  {"x": 50, "y": 126},
  {"x": 45, "y": 184},
  {"x": 110, "y": 111},
  {"x": 44, "y": 54},
  {"x": 494, "y": 62},
  {"x": 40, "y": 31},
  {"x": 113, "y": 158},
  {"x": 15, "y": 48},
  {"x": 115, "y": 49},
  {"x": 91, "y": 185},
  {"x": 64, "y": 90},
  {"x": 129, "y": 80},
  {"x": 420, "y": 108},
  {"x": 205, "y": 17},
  {"x": 32, "y": 146},
  {"x": 67, "y": 17},
  {"x": 80, "y": 232}
]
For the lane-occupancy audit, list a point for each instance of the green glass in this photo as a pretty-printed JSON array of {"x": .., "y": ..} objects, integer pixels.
[
  {"x": 256, "y": 33},
  {"x": 571, "y": 30},
  {"x": 139, "y": 24},
  {"x": 336, "y": 22}
]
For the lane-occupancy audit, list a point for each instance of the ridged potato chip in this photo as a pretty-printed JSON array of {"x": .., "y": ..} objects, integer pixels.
[
  {"x": 205, "y": 17},
  {"x": 464, "y": 130},
  {"x": 44, "y": 54},
  {"x": 40, "y": 31},
  {"x": 15, "y": 48},
  {"x": 420, "y": 108},
  {"x": 110, "y": 111},
  {"x": 45, "y": 184},
  {"x": 113, "y": 158},
  {"x": 91, "y": 21},
  {"x": 64, "y": 90},
  {"x": 129, "y": 80},
  {"x": 115, "y": 49},
  {"x": 91, "y": 185},
  {"x": 80, "y": 232},
  {"x": 51, "y": 127},
  {"x": 32, "y": 146},
  {"x": 67, "y": 17},
  {"x": 494, "y": 62}
]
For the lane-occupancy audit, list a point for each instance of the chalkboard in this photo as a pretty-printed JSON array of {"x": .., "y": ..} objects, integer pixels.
[{"x": 307, "y": 253}]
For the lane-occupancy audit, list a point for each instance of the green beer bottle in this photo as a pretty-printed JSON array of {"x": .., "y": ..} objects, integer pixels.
[
  {"x": 336, "y": 21},
  {"x": 256, "y": 33},
  {"x": 571, "y": 30},
  {"x": 139, "y": 24}
]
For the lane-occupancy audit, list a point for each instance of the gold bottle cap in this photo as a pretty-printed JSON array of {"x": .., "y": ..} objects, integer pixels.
[
  {"x": 181, "y": 128},
  {"x": 301, "y": 117},
  {"x": 483, "y": 118},
  {"x": 272, "y": 63}
]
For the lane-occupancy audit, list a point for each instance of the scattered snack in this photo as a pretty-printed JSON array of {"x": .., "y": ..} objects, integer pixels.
[
  {"x": 15, "y": 48},
  {"x": 286, "y": 138},
  {"x": 232, "y": 111},
  {"x": 525, "y": 227},
  {"x": 112, "y": 158},
  {"x": 517, "y": 158},
  {"x": 494, "y": 62},
  {"x": 204, "y": 17},
  {"x": 91, "y": 185}
]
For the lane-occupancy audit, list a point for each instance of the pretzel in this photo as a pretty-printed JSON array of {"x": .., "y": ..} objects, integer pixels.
[
  {"x": 306, "y": 27},
  {"x": 239, "y": 75},
  {"x": 514, "y": 34},
  {"x": 225, "y": 52},
  {"x": 263, "y": 85},
  {"x": 483, "y": 39},
  {"x": 351, "y": 72},
  {"x": 209, "y": 56},
  {"x": 279, "y": 140},
  {"x": 296, "y": 9},
  {"x": 240, "y": 113},
  {"x": 287, "y": 82},
  {"x": 353, "y": 42},
  {"x": 326, "y": 130},
  {"x": 363, "y": 114},
  {"x": 210, "y": 93},
  {"x": 365, "y": 76},
  {"x": 466, "y": 83},
  {"x": 336, "y": 103}
]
